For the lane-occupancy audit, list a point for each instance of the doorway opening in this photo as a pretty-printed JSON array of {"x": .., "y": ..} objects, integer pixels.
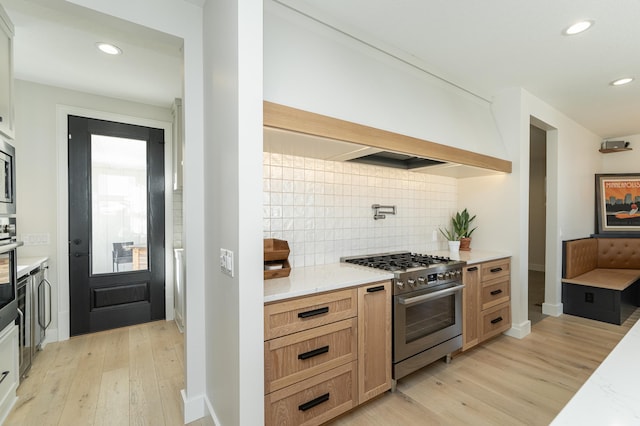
[{"x": 537, "y": 221}]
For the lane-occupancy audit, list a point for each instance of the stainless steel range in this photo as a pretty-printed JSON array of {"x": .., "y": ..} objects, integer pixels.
[{"x": 427, "y": 306}]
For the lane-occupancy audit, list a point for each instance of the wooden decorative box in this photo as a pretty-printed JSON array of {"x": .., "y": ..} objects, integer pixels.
[{"x": 276, "y": 254}]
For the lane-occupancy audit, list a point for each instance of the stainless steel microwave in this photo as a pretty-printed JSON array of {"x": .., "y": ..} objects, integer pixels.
[{"x": 7, "y": 178}]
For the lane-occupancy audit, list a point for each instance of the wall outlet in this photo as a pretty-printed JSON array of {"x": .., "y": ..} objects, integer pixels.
[
  {"x": 434, "y": 235},
  {"x": 35, "y": 239},
  {"x": 226, "y": 262}
]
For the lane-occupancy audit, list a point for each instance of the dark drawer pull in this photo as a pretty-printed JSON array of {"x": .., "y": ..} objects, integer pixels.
[
  {"x": 4, "y": 376},
  {"x": 315, "y": 352},
  {"x": 475, "y": 268},
  {"x": 309, "y": 405},
  {"x": 494, "y": 292},
  {"x": 496, "y": 269},
  {"x": 313, "y": 312},
  {"x": 374, "y": 289},
  {"x": 497, "y": 320}
]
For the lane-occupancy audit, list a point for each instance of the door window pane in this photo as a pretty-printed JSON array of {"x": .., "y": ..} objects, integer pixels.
[{"x": 118, "y": 204}]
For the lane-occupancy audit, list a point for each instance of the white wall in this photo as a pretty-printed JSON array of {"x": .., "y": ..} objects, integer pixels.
[
  {"x": 323, "y": 208},
  {"x": 572, "y": 160},
  {"x": 233, "y": 201},
  {"x": 37, "y": 168},
  {"x": 314, "y": 68},
  {"x": 625, "y": 161}
]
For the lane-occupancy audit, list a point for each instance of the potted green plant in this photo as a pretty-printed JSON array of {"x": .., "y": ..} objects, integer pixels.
[
  {"x": 452, "y": 237},
  {"x": 461, "y": 223}
]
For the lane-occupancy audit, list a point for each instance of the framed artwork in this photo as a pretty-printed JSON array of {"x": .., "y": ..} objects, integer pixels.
[{"x": 617, "y": 203}]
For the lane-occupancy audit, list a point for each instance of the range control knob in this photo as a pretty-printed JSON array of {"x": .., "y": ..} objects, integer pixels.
[
  {"x": 411, "y": 282},
  {"x": 447, "y": 275},
  {"x": 440, "y": 276},
  {"x": 400, "y": 284},
  {"x": 421, "y": 280},
  {"x": 458, "y": 272}
]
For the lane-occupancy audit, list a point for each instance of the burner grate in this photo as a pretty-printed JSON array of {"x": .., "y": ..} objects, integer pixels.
[{"x": 398, "y": 261}]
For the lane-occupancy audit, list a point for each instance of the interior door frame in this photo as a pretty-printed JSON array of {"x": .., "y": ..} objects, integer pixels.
[{"x": 62, "y": 112}]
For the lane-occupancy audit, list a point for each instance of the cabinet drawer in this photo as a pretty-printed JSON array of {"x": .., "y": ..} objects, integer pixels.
[
  {"x": 298, "y": 356},
  {"x": 290, "y": 316},
  {"x": 495, "y": 320},
  {"x": 315, "y": 400},
  {"x": 8, "y": 361},
  {"x": 495, "y": 293},
  {"x": 496, "y": 269}
]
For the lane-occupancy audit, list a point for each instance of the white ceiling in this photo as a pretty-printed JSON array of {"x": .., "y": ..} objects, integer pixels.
[
  {"x": 486, "y": 46},
  {"x": 54, "y": 44},
  {"x": 481, "y": 46}
]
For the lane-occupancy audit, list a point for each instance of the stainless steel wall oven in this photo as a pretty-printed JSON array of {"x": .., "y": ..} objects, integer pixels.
[
  {"x": 7, "y": 178},
  {"x": 8, "y": 303}
]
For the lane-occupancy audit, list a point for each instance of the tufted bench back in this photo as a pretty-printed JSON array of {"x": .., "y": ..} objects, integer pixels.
[
  {"x": 620, "y": 253},
  {"x": 580, "y": 256}
]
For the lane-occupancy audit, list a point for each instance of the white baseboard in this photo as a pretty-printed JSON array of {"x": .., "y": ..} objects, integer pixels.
[
  {"x": 212, "y": 412},
  {"x": 519, "y": 331},
  {"x": 197, "y": 408},
  {"x": 194, "y": 408},
  {"x": 553, "y": 310},
  {"x": 51, "y": 336},
  {"x": 63, "y": 325}
]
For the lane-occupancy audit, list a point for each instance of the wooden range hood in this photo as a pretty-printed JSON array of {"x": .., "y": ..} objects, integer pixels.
[{"x": 285, "y": 118}]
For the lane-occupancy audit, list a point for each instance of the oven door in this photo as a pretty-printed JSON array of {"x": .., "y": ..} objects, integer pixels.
[
  {"x": 426, "y": 318},
  {"x": 7, "y": 178}
]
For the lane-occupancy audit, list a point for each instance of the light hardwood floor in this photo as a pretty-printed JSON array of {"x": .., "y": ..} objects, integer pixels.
[
  {"x": 127, "y": 376},
  {"x": 505, "y": 381},
  {"x": 133, "y": 376}
]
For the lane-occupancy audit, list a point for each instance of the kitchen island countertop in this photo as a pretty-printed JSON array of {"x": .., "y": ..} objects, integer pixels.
[
  {"x": 316, "y": 279},
  {"x": 610, "y": 396}
]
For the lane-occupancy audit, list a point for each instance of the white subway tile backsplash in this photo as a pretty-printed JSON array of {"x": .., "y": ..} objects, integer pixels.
[{"x": 323, "y": 208}]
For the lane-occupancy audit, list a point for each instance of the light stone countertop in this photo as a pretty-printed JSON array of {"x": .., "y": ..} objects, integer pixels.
[
  {"x": 316, "y": 279},
  {"x": 28, "y": 264},
  {"x": 472, "y": 256},
  {"x": 610, "y": 396}
]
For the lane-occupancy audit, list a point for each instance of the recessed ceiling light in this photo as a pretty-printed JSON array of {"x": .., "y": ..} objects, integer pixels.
[
  {"x": 621, "y": 81},
  {"x": 108, "y": 48},
  {"x": 578, "y": 27}
]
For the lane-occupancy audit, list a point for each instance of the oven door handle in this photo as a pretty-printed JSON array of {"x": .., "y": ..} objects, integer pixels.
[{"x": 429, "y": 296}]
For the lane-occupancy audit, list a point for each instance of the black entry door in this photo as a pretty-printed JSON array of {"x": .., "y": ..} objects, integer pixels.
[{"x": 116, "y": 224}]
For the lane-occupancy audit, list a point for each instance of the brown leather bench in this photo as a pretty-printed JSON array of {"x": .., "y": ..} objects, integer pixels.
[{"x": 600, "y": 278}]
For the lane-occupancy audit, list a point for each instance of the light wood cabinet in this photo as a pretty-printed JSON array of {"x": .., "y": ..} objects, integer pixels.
[
  {"x": 486, "y": 307},
  {"x": 297, "y": 356},
  {"x": 8, "y": 369},
  {"x": 374, "y": 340},
  {"x": 324, "y": 354},
  {"x": 315, "y": 400},
  {"x": 291, "y": 316},
  {"x": 6, "y": 75}
]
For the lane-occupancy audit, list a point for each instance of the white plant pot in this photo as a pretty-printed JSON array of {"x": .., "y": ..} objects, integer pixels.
[{"x": 454, "y": 246}]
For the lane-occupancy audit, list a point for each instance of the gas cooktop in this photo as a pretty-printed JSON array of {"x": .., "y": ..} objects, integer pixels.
[{"x": 401, "y": 261}]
